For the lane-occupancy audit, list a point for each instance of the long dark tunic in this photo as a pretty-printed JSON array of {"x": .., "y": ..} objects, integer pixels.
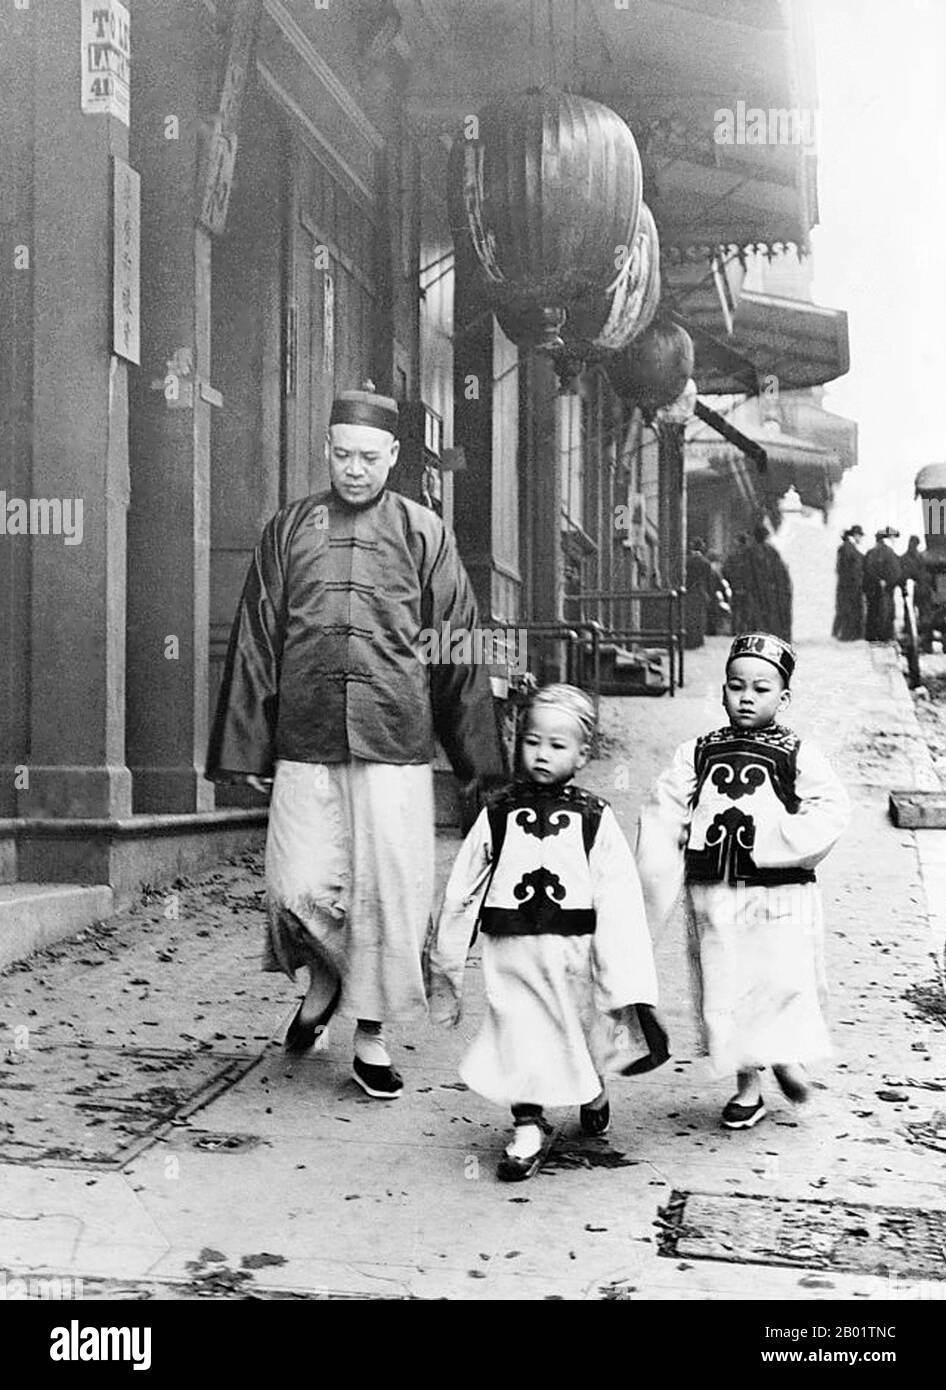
[
  {"x": 881, "y": 577},
  {"x": 849, "y": 596},
  {"x": 701, "y": 584},
  {"x": 325, "y": 657},
  {"x": 767, "y": 589}
]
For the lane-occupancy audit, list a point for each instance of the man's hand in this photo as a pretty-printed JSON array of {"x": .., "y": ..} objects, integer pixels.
[{"x": 263, "y": 785}]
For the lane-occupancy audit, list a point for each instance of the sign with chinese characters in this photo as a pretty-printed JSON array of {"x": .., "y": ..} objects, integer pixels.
[
  {"x": 219, "y": 157},
  {"x": 126, "y": 230},
  {"x": 106, "y": 59}
]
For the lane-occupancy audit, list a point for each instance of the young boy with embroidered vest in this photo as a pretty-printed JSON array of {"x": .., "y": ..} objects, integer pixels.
[
  {"x": 549, "y": 878},
  {"x": 742, "y": 816}
]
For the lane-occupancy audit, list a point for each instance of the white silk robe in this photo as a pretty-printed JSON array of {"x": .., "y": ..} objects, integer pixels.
[
  {"x": 762, "y": 808},
  {"x": 560, "y": 1009}
]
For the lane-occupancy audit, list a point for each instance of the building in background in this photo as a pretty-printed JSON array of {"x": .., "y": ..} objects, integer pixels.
[{"x": 272, "y": 174}]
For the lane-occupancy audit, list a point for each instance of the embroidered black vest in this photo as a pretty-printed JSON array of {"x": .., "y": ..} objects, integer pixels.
[
  {"x": 732, "y": 765},
  {"x": 541, "y": 882}
]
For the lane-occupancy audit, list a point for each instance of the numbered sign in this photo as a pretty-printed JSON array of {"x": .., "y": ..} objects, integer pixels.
[{"x": 106, "y": 59}]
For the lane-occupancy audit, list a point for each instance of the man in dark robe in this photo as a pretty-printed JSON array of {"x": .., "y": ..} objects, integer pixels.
[
  {"x": 768, "y": 588},
  {"x": 332, "y": 689},
  {"x": 881, "y": 577},
  {"x": 849, "y": 594},
  {"x": 913, "y": 566},
  {"x": 701, "y": 585}
]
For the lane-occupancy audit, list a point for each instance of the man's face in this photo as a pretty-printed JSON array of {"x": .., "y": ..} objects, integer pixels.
[{"x": 360, "y": 458}]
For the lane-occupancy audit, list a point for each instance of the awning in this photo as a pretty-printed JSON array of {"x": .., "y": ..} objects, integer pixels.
[
  {"x": 796, "y": 343},
  {"x": 812, "y": 471},
  {"x": 667, "y": 68}
]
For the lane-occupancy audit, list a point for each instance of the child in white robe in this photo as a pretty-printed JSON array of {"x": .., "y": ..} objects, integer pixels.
[
  {"x": 568, "y": 967},
  {"x": 742, "y": 816}
]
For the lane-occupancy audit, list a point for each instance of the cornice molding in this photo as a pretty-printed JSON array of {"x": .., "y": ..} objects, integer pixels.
[{"x": 310, "y": 55}]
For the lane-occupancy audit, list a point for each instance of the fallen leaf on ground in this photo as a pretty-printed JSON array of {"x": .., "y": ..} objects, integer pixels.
[{"x": 261, "y": 1260}]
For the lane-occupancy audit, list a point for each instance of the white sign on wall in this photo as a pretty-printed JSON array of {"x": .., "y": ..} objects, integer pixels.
[
  {"x": 126, "y": 238},
  {"x": 106, "y": 59}
]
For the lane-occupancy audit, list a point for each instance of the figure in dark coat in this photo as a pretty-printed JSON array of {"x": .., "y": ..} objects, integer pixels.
[
  {"x": 913, "y": 566},
  {"x": 768, "y": 589},
  {"x": 702, "y": 586},
  {"x": 352, "y": 648},
  {"x": 849, "y": 595},
  {"x": 881, "y": 577}
]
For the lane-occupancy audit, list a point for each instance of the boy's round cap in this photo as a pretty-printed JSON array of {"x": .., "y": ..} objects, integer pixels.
[
  {"x": 571, "y": 701},
  {"x": 855, "y": 531},
  {"x": 767, "y": 647},
  {"x": 365, "y": 407}
]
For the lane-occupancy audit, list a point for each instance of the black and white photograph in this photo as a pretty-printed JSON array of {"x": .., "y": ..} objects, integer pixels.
[{"x": 473, "y": 668}]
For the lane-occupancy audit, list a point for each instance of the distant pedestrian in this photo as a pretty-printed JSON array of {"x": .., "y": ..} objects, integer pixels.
[
  {"x": 702, "y": 587},
  {"x": 741, "y": 817},
  {"x": 881, "y": 577},
  {"x": 734, "y": 572},
  {"x": 849, "y": 594},
  {"x": 768, "y": 588},
  {"x": 568, "y": 967},
  {"x": 913, "y": 566}
]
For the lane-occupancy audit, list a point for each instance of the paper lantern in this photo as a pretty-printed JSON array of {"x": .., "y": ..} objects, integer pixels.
[
  {"x": 654, "y": 370},
  {"x": 547, "y": 191}
]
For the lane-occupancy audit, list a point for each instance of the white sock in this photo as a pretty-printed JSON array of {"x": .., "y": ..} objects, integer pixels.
[
  {"x": 370, "y": 1049},
  {"x": 526, "y": 1141}
]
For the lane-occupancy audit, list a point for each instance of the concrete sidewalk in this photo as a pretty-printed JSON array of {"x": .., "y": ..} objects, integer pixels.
[{"x": 155, "y": 1142}]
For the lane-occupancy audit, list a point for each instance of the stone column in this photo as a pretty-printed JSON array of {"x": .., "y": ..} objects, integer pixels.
[
  {"x": 16, "y": 394},
  {"x": 672, "y": 504},
  {"x": 175, "y": 65},
  {"x": 473, "y": 432},
  {"x": 80, "y": 447},
  {"x": 548, "y": 442}
]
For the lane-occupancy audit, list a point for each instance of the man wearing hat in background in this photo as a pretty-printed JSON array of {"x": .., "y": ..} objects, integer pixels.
[
  {"x": 326, "y": 691},
  {"x": 849, "y": 595},
  {"x": 881, "y": 577}
]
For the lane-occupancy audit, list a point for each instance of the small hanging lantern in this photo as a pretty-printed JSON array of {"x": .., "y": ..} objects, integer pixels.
[
  {"x": 548, "y": 189},
  {"x": 654, "y": 370}
]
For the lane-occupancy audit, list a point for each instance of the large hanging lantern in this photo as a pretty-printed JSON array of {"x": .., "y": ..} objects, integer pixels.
[
  {"x": 606, "y": 321},
  {"x": 548, "y": 189},
  {"x": 655, "y": 368}
]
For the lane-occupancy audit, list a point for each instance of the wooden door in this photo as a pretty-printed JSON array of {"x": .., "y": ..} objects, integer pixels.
[{"x": 332, "y": 309}]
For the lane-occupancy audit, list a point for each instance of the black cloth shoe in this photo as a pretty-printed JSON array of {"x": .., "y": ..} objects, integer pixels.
[
  {"x": 595, "y": 1121},
  {"x": 518, "y": 1169},
  {"x": 736, "y": 1116},
  {"x": 383, "y": 1083},
  {"x": 301, "y": 1036}
]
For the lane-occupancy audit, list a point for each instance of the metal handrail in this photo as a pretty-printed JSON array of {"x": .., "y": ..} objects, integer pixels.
[
  {"x": 568, "y": 632},
  {"x": 675, "y": 634}
]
